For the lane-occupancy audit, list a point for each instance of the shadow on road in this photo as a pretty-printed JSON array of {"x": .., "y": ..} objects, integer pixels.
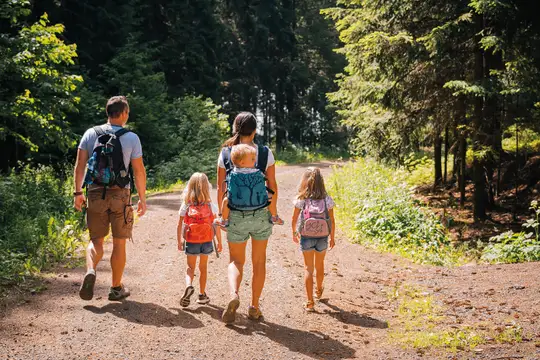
[
  {"x": 147, "y": 314},
  {"x": 310, "y": 343},
  {"x": 213, "y": 311},
  {"x": 352, "y": 318}
]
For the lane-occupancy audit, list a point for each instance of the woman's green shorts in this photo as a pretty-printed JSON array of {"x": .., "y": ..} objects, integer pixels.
[{"x": 245, "y": 224}]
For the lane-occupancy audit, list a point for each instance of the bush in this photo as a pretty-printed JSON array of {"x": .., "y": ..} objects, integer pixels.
[
  {"x": 510, "y": 247},
  {"x": 298, "y": 155},
  {"x": 39, "y": 226},
  {"x": 376, "y": 206},
  {"x": 528, "y": 140},
  {"x": 197, "y": 140}
]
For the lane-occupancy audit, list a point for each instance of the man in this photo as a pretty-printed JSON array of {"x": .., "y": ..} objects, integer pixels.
[{"x": 109, "y": 205}]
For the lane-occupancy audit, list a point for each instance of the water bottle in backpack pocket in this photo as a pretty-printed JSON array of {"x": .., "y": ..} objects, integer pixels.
[
  {"x": 315, "y": 220},
  {"x": 198, "y": 224}
]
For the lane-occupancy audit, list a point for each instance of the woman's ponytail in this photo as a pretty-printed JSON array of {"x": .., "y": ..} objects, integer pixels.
[{"x": 244, "y": 124}]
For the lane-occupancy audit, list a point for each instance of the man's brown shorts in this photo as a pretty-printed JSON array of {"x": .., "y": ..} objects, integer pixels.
[{"x": 115, "y": 210}]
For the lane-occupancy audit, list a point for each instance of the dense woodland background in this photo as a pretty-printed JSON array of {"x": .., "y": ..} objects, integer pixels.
[{"x": 452, "y": 85}]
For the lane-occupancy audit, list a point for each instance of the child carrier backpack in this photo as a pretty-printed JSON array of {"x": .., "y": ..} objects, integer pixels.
[
  {"x": 315, "y": 220},
  {"x": 198, "y": 224},
  {"x": 247, "y": 191},
  {"x": 106, "y": 164}
]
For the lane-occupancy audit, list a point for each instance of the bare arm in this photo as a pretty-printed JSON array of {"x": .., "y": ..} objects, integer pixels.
[
  {"x": 179, "y": 228},
  {"x": 272, "y": 185},
  {"x": 221, "y": 173},
  {"x": 333, "y": 228},
  {"x": 78, "y": 176},
  {"x": 294, "y": 221},
  {"x": 140, "y": 182}
]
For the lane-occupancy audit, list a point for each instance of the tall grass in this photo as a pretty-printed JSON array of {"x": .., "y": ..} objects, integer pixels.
[
  {"x": 376, "y": 208},
  {"x": 38, "y": 224}
]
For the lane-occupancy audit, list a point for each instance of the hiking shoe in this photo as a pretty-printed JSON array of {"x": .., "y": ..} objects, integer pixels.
[
  {"x": 276, "y": 220},
  {"x": 318, "y": 293},
  {"x": 309, "y": 306},
  {"x": 118, "y": 293},
  {"x": 229, "y": 315},
  {"x": 86, "y": 292},
  {"x": 185, "y": 300},
  {"x": 254, "y": 313},
  {"x": 203, "y": 299}
]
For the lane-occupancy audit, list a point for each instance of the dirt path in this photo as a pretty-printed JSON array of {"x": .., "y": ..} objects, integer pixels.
[{"x": 352, "y": 323}]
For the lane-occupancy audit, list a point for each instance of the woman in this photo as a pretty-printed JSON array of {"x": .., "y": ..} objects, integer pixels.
[{"x": 244, "y": 225}]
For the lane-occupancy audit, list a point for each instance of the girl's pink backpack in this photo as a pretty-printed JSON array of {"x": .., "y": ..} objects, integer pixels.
[{"x": 315, "y": 220}]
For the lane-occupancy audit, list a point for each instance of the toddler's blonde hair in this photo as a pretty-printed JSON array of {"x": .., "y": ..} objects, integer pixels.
[
  {"x": 312, "y": 185},
  {"x": 198, "y": 190},
  {"x": 240, "y": 151}
]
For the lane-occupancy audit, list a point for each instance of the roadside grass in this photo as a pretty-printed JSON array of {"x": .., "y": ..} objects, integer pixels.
[
  {"x": 421, "y": 323},
  {"x": 376, "y": 208},
  {"x": 39, "y": 225}
]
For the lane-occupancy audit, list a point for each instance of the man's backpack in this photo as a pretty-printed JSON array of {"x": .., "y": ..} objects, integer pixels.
[
  {"x": 315, "y": 220},
  {"x": 198, "y": 224},
  {"x": 247, "y": 191},
  {"x": 106, "y": 164}
]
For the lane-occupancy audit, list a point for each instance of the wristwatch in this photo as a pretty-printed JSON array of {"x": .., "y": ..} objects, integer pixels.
[{"x": 77, "y": 193}]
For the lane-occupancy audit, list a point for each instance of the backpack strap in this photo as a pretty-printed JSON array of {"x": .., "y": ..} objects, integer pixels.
[
  {"x": 121, "y": 132},
  {"x": 262, "y": 158},
  {"x": 99, "y": 130},
  {"x": 226, "y": 155}
]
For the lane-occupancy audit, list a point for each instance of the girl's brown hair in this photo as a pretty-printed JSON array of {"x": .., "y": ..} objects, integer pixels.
[
  {"x": 244, "y": 124},
  {"x": 312, "y": 185},
  {"x": 198, "y": 190}
]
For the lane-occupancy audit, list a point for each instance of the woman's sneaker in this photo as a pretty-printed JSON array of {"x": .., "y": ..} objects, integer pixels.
[
  {"x": 118, "y": 293},
  {"x": 229, "y": 315},
  {"x": 203, "y": 299},
  {"x": 254, "y": 313},
  {"x": 86, "y": 292},
  {"x": 185, "y": 300}
]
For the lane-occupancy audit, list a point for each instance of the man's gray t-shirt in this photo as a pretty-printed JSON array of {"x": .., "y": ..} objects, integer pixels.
[{"x": 131, "y": 145}]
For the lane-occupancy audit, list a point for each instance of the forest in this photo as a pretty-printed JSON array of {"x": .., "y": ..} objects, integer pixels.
[{"x": 451, "y": 85}]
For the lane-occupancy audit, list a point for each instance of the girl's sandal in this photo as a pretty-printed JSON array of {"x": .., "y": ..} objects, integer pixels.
[
  {"x": 309, "y": 306},
  {"x": 318, "y": 293}
]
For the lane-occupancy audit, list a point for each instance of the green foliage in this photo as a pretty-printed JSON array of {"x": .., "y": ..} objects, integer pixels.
[
  {"x": 377, "y": 207},
  {"x": 199, "y": 133},
  {"x": 37, "y": 88},
  {"x": 528, "y": 140},
  {"x": 296, "y": 155},
  {"x": 39, "y": 226},
  {"x": 510, "y": 247}
]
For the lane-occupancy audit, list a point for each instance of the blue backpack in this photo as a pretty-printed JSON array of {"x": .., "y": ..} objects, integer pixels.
[{"x": 247, "y": 192}]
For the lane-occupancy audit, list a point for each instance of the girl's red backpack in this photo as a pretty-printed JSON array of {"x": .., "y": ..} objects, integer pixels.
[{"x": 198, "y": 224}]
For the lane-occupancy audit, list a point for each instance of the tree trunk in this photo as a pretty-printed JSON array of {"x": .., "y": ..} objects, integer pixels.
[
  {"x": 479, "y": 178},
  {"x": 446, "y": 142},
  {"x": 437, "y": 156}
]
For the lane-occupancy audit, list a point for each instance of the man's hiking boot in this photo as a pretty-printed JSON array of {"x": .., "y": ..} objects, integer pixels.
[
  {"x": 118, "y": 293},
  {"x": 86, "y": 292},
  {"x": 229, "y": 315},
  {"x": 185, "y": 300},
  {"x": 254, "y": 313},
  {"x": 203, "y": 299}
]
